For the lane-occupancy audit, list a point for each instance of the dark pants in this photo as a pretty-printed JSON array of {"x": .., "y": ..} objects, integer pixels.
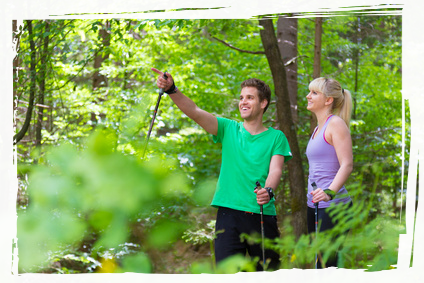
[
  {"x": 324, "y": 223},
  {"x": 233, "y": 223}
]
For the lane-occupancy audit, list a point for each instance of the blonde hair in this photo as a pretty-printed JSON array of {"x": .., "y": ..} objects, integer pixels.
[{"x": 342, "y": 99}]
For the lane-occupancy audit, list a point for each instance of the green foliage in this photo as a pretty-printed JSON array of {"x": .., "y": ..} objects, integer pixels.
[
  {"x": 201, "y": 235},
  {"x": 95, "y": 190},
  {"x": 99, "y": 189},
  {"x": 361, "y": 244}
]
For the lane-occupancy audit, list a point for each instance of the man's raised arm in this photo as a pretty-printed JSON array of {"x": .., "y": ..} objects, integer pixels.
[{"x": 205, "y": 119}]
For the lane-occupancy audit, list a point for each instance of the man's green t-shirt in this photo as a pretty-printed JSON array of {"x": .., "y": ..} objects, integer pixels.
[{"x": 245, "y": 160}]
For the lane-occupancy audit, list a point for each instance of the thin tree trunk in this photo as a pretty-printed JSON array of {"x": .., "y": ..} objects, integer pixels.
[
  {"x": 296, "y": 175},
  {"x": 9, "y": 142},
  {"x": 9, "y": 82},
  {"x": 100, "y": 80},
  {"x": 287, "y": 43},
  {"x": 317, "y": 63},
  {"x": 12, "y": 71},
  {"x": 42, "y": 84}
]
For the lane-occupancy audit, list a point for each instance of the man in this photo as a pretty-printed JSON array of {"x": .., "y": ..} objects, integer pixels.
[{"x": 250, "y": 153}]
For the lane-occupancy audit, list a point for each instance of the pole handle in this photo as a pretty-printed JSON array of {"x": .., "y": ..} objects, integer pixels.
[
  {"x": 161, "y": 90},
  {"x": 314, "y": 186}
]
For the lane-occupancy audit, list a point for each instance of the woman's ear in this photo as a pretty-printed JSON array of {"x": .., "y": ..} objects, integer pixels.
[{"x": 329, "y": 100}]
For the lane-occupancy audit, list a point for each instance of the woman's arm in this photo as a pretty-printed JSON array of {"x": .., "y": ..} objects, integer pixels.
[{"x": 339, "y": 137}]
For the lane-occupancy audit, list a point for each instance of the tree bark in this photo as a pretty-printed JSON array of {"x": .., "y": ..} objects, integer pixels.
[
  {"x": 10, "y": 81},
  {"x": 317, "y": 63},
  {"x": 42, "y": 85},
  {"x": 100, "y": 80},
  {"x": 296, "y": 175},
  {"x": 10, "y": 141},
  {"x": 12, "y": 71},
  {"x": 287, "y": 43}
]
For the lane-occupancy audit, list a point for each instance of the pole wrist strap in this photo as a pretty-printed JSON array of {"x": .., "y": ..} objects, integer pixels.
[{"x": 172, "y": 89}]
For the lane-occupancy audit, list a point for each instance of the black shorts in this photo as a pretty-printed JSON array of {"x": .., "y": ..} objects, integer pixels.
[
  {"x": 325, "y": 222},
  {"x": 233, "y": 223},
  {"x": 324, "y": 219}
]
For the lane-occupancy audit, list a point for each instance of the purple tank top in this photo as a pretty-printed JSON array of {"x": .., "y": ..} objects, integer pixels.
[{"x": 323, "y": 167}]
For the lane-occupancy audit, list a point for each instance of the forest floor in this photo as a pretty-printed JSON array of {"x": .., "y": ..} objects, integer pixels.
[{"x": 179, "y": 258}]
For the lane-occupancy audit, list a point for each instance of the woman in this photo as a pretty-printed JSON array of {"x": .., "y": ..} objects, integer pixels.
[{"x": 329, "y": 152}]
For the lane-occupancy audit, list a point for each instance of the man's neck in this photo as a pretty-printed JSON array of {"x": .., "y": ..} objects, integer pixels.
[{"x": 254, "y": 127}]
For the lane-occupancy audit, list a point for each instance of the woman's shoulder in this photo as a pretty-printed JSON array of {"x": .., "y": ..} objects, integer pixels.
[
  {"x": 337, "y": 121},
  {"x": 336, "y": 128}
]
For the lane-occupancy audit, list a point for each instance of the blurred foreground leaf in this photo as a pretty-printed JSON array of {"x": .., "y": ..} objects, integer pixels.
[{"x": 96, "y": 190}]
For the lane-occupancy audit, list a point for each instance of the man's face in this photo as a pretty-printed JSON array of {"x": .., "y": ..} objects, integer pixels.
[{"x": 250, "y": 106}]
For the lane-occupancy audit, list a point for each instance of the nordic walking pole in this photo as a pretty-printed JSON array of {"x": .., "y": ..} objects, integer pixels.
[
  {"x": 314, "y": 186},
  {"x": 154, "y": 115},
  {"x": 262, "y": 230}
]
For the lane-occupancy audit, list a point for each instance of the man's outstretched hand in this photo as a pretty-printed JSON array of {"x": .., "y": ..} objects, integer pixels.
[{"x": 162, "y": 82}]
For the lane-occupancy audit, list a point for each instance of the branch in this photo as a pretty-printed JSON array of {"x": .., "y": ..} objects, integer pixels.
[
  {"x": 292, "y": 60},
  {"x": 238, "y": 49}
]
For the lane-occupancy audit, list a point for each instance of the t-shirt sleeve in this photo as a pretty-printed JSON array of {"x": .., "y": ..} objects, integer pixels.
[
  {"x": 282, "y": 147},
  {"x": 221, "y": 130}
]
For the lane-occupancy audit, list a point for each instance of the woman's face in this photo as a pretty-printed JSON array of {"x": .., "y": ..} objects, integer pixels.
[{"x": 316, "y": 100}]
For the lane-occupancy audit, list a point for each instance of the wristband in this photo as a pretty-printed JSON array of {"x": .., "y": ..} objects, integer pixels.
[
  {"x": 270, "y": 192},
  {"x": 330, "y": 193},
  {"x": 172, "y": 89}
]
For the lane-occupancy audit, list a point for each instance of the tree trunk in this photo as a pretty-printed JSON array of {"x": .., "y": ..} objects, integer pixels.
[
  {"x": 9, "y": 83},
  {"x": 42, "y": 85},
  {"x": 12, "y": 71},
  {"x": 100, "y": 80},
  {"x": 317, "y": 63},
  {"x": 296, "y": 176},
  {"x": 287, "y": 43},
  {"x": 9, "y": 142}
]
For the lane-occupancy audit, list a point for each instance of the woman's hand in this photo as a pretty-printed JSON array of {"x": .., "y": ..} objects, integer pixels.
[{"x": 319, "y": 195}]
